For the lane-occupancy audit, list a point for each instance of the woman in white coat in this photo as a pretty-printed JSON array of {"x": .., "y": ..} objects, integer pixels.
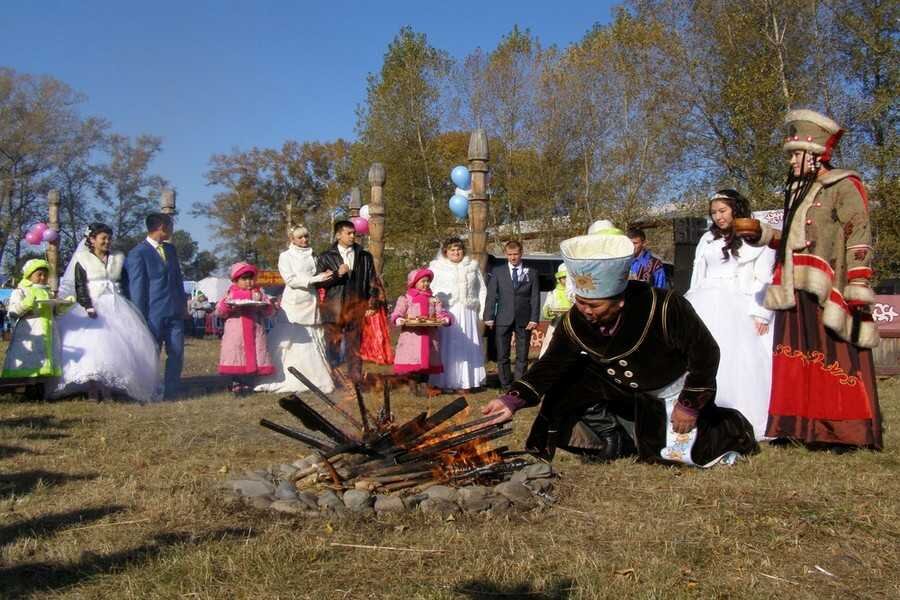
[
  {"x": 728, "y": 285},
  {"x": 459, "y": 284},
  {"x": 297, "y": 340}
]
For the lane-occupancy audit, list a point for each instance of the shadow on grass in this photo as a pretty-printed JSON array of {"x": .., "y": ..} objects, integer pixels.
[
  {"x": 10, "y": 451},
  {"x": 18, "y": 484},
  {"x": 22, "y": 581},
  {"x": 48, "y": 524},
  {"x": 479, "y": 589},
  {"x": 48, "y": 435},
  {"x": 41, "y": 422}
]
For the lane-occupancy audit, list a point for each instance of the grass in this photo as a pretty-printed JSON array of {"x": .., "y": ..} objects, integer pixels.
[{"x": 117, "y": 501}]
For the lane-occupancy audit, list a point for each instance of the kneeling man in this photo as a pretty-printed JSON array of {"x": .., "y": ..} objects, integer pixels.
[{"x": 631, "y": 368}]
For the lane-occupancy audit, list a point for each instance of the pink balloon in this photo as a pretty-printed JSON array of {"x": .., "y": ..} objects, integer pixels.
[
  {"x": 50, "y": 235},
  {"x": 361, "y": 225},
  {"x": 33, "y": 238},
  {"x": 39, "y": 228}
]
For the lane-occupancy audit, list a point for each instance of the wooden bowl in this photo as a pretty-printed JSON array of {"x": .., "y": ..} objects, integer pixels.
[{"x": 747, "y": 226}]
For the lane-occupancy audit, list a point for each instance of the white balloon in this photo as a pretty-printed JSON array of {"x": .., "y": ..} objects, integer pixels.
[
  {"x": 463, "y": 193},
  {"x": 364, "y": 211}
]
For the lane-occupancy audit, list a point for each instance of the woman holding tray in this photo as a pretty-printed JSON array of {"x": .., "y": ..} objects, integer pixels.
[{"x": 419, "y": 314}]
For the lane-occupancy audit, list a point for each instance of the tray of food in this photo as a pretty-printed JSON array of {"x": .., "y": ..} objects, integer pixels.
[
  {"x": 56, "y": 302},
  {"x": 246, "y": 303},
  {"x": 423, "y": 322}
]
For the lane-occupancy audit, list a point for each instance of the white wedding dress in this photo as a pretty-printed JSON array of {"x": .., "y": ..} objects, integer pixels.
[
  {"x": 728, "y": 297},
  {"x": 114, "y": 352},
  {"x": 460, "y": 287}
]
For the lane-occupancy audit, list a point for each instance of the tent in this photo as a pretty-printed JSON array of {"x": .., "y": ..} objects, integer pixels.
[{"x": 213, "y": 288}]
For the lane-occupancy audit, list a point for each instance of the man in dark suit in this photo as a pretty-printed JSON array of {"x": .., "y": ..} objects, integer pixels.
[
  {"x": 153, "y": 282},
  {"x": 350, "y": 295},
  {"x": 512, "y": 305}
]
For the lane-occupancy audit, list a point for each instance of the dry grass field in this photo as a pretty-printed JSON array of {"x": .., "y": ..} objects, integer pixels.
[{"x": 111, "y": 500}]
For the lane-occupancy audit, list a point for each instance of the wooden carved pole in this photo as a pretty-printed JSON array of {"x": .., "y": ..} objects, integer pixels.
[
  {"x": 53, "y": 247},
  {"x": 355, "y": 203},
  {"x": 478, "y": 200},
  {"x": 376, "y": 215},
  {"x": 167, "y": 203}
]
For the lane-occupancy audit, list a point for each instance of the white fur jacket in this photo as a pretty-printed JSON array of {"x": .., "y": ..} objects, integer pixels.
[{"x": 458, "y": 284}]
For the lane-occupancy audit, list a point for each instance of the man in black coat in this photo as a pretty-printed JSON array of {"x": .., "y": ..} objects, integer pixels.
[
  {"x": 350, "y": 296},
  {"x": 513, "y": 304},
  {"x": 630, "y": 369}
]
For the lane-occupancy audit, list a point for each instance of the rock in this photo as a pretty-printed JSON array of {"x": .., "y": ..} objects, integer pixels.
[
  {"x": 437, "y": 506},
  {"x": 285, "y": 471},
  {"x": 291, "y": 507},
  {"x": 539, "y": 485},
  {"x": 308, "y": 460},
  {"x": 388, "y": 503},
  {"x": 251, "y": 488},
  {"x": 519, "y": 477},
  {"x": 475, "y": 498},
  {"x": 328, "y": 500},
  {"x": 442, "y": 492},
  {"x": 412, "y": 502},
  {"x": 258, "y": 475},
  {"x": 500, "y": 506},
  {"x": 260, "y": 502},
  {"x": 358, "y": 500},
  {"x": 516, "y": 493},
  {"x": 539, "y": 470},
  {"x": 285, "y": 491},
  {"x": 309, "y": 500}
]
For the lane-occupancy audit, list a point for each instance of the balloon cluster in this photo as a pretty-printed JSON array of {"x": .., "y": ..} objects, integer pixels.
[
  {"x": 459, "y": 201},
  {"x": 40, "y": 233}
]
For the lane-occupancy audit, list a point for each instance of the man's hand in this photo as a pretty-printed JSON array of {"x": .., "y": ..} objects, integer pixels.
[
  {"x": 370, "y": 312},
  {"x": 343, "y": 269},
  {"x": 488, "y": 324},
  {"x": 499, "y": 409},
  {"x": 531, "y": 325},
  {"x": 761, "y": 326},
  {"x": 400, "y": 322},
  {"x": 92, "y": 313},
  {"x": 326, "y": 275},
  {"x": 682, "y": 422}
]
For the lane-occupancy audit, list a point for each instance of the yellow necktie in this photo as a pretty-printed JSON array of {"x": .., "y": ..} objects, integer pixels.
[{"x": 161, "y": 251}]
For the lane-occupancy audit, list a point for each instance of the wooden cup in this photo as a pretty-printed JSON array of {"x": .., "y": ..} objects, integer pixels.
[{"x": 747, "y": 227}]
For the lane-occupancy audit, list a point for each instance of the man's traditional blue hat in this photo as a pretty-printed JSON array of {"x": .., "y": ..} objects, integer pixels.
[{"x": 598, "y": 264}]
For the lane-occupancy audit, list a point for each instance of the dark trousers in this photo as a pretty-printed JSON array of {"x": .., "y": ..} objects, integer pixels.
[
  {"x": 199, "y": 326},
  {"x": 503, "y": 336},
  {"x": 349, "y": 336},
  {"x": 169, "y": 333}
]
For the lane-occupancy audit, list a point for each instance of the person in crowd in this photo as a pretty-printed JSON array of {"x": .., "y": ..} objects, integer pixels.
[
  {"x": 243, "y": 354},
  {"x": 152, "y": 280},
  {"x": 351, "y": 295},
  {"x": 3, "y": 317},
  {"x": 555, "y": 305},
  {"x": 728, "y": 285},
  {"x": 418, "y": 351},
  {"x": 107, "y": 348},
  {"x": 459, "y": 285},
  {"x": 375, "y": 342},
  {"x": 34, "y": 349},
  {"x": 823, "y": 379},
  {"x": 512, "y": 306},
  {"x": 296, "y": 340},
  {"x": 631, "y": 369},
  {"x": 646, "y": 266},
  {"x": 199, "y": 308}
]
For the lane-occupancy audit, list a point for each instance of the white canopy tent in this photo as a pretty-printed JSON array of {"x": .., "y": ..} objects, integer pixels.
[{"x": 214, "y": 288}]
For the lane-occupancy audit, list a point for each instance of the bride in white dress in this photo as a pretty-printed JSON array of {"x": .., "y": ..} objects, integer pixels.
[
  {"x": 727, "y": 289},
  {"x": 107, "y": 348},
  {"x": 297, "y": 339},
  {"x": 459, "y": 284}
]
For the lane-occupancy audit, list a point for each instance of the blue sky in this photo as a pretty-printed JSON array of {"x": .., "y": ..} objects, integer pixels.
[{"x": 212, "y": 76}]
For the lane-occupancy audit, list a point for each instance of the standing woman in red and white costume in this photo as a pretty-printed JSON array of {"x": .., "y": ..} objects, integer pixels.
[{"x": 823, "y": 380}]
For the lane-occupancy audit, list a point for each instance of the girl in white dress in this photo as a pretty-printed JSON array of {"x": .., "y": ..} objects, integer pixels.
[
  {"x": 459, "y": 285},
  {"x": 107, "y": 348},
  {"x": 728, "y": 286},
  {"x": 297, "y": 338}
]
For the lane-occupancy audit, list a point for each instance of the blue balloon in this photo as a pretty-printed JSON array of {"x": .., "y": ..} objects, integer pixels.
[
  {"x": 461, "y": 177},
  {"x": 459, "y": 206}
]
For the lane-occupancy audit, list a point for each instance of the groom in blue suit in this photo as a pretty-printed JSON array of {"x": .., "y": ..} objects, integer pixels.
[{"x": 153, "y": 282}]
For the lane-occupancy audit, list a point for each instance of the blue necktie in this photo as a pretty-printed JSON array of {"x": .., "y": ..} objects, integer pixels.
[{"x": 516, "y": 276}]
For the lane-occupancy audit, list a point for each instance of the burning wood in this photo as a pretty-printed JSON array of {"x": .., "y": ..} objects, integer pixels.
[{"x": 382, "y": 456}]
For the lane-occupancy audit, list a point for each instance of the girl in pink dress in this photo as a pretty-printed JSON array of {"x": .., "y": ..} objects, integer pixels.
[
  {"x": 244, "y": 308},
  {"x": 417, "y": 347}
]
